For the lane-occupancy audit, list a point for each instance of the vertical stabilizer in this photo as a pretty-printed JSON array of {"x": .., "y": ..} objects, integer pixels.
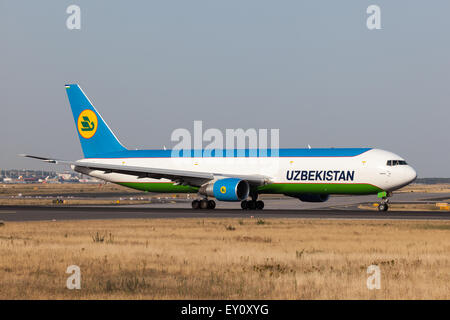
[{"x": 95, "y": 136}]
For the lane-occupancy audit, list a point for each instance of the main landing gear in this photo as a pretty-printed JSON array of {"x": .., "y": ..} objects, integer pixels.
[
  {"x": 203, "y": 204},
  {"x": 253, "y": 204},
  {"x": 211, "y": 204}
]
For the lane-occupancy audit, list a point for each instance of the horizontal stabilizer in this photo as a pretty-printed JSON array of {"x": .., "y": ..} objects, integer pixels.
[{"x": 39, "y": 158}]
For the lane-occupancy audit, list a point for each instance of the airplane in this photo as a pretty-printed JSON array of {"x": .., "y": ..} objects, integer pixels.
[{"x": 310, "y": 175}]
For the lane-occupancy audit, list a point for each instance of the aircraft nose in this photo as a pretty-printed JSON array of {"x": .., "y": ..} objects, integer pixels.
[{"x": 411, "y": 174}]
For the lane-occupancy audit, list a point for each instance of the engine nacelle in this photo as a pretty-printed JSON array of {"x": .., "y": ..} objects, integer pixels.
[
  {"x": 228, "y": 189},
  {"x": 309, "y": 197}
]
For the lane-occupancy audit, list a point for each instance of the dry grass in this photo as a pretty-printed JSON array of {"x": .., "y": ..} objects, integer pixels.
[
  {"x": 426, "y": 188},
  {"x": 34, "y": 189},
  {"x": 225, "y": 259},
  {"x": 45, "y": 194}
]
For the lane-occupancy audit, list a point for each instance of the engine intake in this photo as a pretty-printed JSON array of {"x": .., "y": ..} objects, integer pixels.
[{"x": 228, "y": 189}]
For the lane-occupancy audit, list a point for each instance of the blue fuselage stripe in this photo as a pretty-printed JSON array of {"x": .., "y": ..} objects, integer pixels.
[{"x": 282, "y": 153}]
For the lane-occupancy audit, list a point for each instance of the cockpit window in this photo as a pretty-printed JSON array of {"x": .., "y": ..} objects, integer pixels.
[{"x": 396, "y": 163}]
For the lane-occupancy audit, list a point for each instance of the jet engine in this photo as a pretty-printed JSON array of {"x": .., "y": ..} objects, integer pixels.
[{"x": 228, "y": 189}]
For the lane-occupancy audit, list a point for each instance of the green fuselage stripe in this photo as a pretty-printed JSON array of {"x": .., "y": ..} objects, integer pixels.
[
  {"x": 275, "y": 188},
  {"x": 162, "y": 187},
  {"x": 319, "y": 188}
]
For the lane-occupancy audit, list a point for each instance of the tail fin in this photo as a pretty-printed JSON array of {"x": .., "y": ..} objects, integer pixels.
[{"x": 96, "y": 137}]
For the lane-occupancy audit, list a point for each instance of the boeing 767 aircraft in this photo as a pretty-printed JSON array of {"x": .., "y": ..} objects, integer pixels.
[{"x": 307, "y": 174}]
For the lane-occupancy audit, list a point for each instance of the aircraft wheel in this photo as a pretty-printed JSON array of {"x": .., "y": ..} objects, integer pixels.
[
  {"x": 204, "y": 204},
  {"x": 259, "y": 205},
  {"x": 211, "y": 204},
  {"x": 244, "y": 205},
  {"x": 383, "y": 207},
  {"x": 251, "y": 205},
  {"x": 195, "y": 204}
]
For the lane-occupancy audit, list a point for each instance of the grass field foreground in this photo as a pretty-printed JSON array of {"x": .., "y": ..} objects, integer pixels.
[{"x": 225, "y": 259}]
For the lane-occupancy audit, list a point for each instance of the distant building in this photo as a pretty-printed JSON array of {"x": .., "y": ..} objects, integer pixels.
[{"x": 42, "y": 176}]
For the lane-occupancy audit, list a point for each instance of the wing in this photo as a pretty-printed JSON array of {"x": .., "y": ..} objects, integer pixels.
[{"x": 185, "y": 177}]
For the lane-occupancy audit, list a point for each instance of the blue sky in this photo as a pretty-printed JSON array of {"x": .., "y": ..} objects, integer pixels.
[{"x": 310, "y": 68}]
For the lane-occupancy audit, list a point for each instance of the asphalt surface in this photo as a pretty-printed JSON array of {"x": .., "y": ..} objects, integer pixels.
[
  {"x": 22, "y": 213},
  {"x": 337, "y": 207}
]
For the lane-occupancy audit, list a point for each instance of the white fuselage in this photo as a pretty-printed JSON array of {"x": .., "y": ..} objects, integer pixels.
[{"x": 367, "y": 168}]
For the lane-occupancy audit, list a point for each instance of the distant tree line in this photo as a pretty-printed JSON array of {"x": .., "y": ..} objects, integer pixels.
[{"x": 432, "y": 180}]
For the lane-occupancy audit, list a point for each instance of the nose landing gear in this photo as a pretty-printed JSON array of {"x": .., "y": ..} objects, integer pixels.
[{"x": 384, "y": 205}]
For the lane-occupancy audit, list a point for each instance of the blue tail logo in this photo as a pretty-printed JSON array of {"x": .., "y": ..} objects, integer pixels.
[
  {"x": 87, "y": 124},
  {"x": 96, "y": 138}
]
